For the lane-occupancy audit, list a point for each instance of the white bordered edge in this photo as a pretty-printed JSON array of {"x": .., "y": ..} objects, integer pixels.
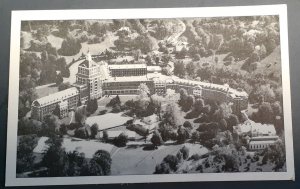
[{"x": 18, "y": 16}]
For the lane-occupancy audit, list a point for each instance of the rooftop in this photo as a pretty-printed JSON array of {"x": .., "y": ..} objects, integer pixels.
[
  {"x": 262, "y": 142},
  {"x": 127, "y": 66},
  {"x": 256, "y": 128},
  {"x": 56, "y": 97},
  {"x": 127, "y": 79},
  {"x": 88, "y": 64}
]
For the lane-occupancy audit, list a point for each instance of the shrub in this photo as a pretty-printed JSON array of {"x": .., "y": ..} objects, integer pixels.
[
  {"x": 187, "y": 125},
  {"x": 121, "y": 140},
  {"x": 105, "y": 136},
  {"x": 162, "y": 168},
  {"x": 139, "y": 129},
  {"x": 185, "y": 152},
  {"x": 195, "y": 157},
  {"x": 94, "y": 130},
  {"x": 156, "y": 139},
  {"x": 172, "y": 161}
]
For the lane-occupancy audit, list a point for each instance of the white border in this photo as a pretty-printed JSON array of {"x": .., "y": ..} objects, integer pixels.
[{"x": 18, "y": 16}]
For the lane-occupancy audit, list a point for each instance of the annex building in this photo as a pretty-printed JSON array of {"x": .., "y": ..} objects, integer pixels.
[
  {"x": 258, "y": 136},
  {"x": 97, "y": 79}
]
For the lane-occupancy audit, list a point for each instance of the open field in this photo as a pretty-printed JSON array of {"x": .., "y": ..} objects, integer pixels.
[{"x": 140, "y": 161}]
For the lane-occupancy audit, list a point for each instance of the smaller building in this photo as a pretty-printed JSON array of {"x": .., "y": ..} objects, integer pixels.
[
  {"x": 123, "y": 70},
  {"x": 66, "y": 100},
  {"x": 126, "y": 85},
  {"x": 260, "y": 143},
  {"x": 253, "y": 129},
  {"x": 258, "y": 136}
]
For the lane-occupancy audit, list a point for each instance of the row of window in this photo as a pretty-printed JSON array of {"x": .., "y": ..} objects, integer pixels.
[
  {"x": 115, "y": 92},
  {"x": 88, "y": 71}
]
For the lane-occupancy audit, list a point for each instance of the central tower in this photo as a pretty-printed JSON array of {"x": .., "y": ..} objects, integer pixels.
[{"x": 89, "y": 73}]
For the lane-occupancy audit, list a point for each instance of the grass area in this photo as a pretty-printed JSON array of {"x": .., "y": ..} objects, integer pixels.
[
  {"x": 270, "y": 64},
  {"x": 138, "y": 160}
]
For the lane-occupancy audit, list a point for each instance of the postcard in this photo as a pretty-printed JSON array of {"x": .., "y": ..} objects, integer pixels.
[{"x": 149, "y": 95}]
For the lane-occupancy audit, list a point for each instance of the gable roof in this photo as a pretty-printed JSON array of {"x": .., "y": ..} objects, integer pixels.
[{"x": 56, "y": 97}]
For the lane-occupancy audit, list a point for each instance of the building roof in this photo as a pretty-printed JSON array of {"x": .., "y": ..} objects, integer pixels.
[
  {"x": 89, "y": 62},
  {"x": 127, "y": 79},
  {"x": 153, "y": 68},
  {"x": 255, "y": 128},
  {"x": 56, "y": 97},
  {"x": 262, "y": 142},
  {"x": 233, "y": 93},
  {"x": 127, "y": 66}
]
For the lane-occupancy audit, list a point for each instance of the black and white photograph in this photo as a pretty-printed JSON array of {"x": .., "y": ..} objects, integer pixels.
[{"x": 106, "y": 98}]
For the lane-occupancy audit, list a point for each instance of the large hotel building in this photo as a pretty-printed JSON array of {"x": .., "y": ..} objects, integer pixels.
[{"x": 95, "y": 80}]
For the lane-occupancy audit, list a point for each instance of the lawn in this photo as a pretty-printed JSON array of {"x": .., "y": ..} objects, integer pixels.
[
  {"x": 140, "y": 161},
  {"x": 88, "y": 147}
]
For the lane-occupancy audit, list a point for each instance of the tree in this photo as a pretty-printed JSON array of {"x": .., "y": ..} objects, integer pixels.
[
  {"x": 232, "y": 120},
  {"x": 25, "y": 157},
  {"x": 182, "y": 53},
  {"x": 156, "y": 139},
  {"x": 277, "y": 109},
  {"x": 172, "y": 115},
  {"x": 265, "y": 113},
  {"x": 105, "y": 136},
  {"x": 70, "y": 46},
  {"x": 103, "y": 159},
  {"x": 179, "y": 69},
  {"x": 145, "y": 43},
  {"x": 83, "y": 132},
  {"x": 195, "y": 136},
  {"x": 59, "y": 79},
  {"x": 121, "y": 140},
  {"x": 262, "y": 51},
  {"x": 185, "y": 152},
  {"x": 51, "y": 124},
  {"x": 75, "y": 164},
  {"x": 94, "y": 130},
  {"x": 162, "y": 168},
  {"x": 92, "y": 106},
  {"x": 223, "y": 124},
  {"x": 183, "y": 97},
  {"x": 172, "y": 161},
  {"x": 56, "y": 111},
  {"x": 267, "y": 92},
  {"x": 27, "y": 126},
  {"x": 114, "y": 101},
  {"x": 55, "y": 157},
  {"x": 187, "y": 125},
  {"x": 199, "y": 105},
  {"x": 189, "y": 103},
  {"x": 80, "y": 116},
  {"x": 183, "y": 135}
]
